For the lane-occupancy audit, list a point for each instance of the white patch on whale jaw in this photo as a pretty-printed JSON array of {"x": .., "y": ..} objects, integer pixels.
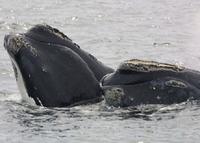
[
  {"x": 21, "y": 85},
  {"x": 113, "y": 95}
]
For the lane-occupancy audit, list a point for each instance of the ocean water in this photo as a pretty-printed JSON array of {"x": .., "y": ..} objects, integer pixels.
[{"x": 113, "y": 31}]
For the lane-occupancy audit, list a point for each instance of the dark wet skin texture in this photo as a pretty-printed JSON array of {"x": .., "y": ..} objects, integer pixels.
[
  {"x": 40, "y": 33},
  {"x": 56, "y": 71},
  {"x": 165, "y": 85}
]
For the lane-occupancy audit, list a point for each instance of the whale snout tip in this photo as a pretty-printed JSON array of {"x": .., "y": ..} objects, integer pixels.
[{"x": 12, "y": 43}]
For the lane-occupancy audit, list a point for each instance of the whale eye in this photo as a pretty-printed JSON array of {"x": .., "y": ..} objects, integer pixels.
[
  {"x": 91, "y": 56},
  {"x": 77, "y": 45}
]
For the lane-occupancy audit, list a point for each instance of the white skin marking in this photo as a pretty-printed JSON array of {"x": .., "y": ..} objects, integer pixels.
[{"x": 21, "y": 86}]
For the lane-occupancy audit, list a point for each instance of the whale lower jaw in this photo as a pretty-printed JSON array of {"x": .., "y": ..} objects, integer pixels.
[{"x": 21, "y": 85}]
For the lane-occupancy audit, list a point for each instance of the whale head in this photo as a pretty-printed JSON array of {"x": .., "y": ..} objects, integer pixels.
[{"x": 49, "y": 72}]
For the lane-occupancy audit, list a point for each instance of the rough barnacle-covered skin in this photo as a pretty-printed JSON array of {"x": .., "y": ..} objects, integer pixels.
[
  {"x": 148, "y": 66},
  {"x": 149, "y": 82}
]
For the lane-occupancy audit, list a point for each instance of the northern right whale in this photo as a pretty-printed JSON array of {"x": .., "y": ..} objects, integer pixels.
[
  {"x": 53, "y": 71},
  {"x": 138, "y": 82}
]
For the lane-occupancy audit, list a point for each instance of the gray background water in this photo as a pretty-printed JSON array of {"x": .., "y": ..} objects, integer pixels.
[{"x": 113, "y": 31}]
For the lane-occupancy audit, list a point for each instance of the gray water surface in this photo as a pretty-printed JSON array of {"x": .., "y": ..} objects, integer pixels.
[{"x": 113, "y": 31}]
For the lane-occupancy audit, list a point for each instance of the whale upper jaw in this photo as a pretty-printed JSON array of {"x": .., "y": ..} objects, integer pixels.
[{"x": 40, "y": 33}]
